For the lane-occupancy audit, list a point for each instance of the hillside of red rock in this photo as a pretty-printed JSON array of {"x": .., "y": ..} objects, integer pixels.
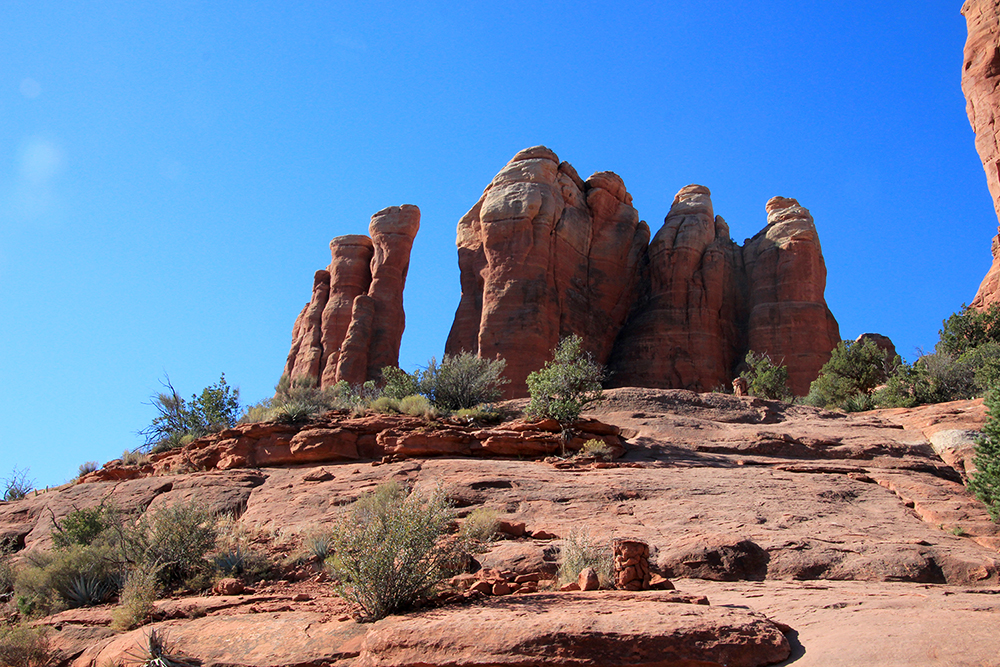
[{"x": 817, "y": 538}]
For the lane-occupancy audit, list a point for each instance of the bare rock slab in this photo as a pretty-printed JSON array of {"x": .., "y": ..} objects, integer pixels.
[{"x": 599, "y": 628}]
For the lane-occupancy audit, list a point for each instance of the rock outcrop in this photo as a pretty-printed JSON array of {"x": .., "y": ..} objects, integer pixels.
[
  {"x": 353, "y": 324},
  {"x": 544, "y": 254},
  {"x": 981, "y": 85}
]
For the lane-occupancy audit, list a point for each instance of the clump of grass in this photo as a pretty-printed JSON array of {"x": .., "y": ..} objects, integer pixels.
[
  {"x": 131, "y": 458},
  {"x": 481, "y": 525},
  {"x": 318, "y": 544},
  {"x": 959, "y": 531},
  {"x": 581, "y": 551},
  {"x": 135, "y": 602},
  {"x": 417, "y": 406},
  {"x": 597, "y": 449},
  {"x": 86, "y": 468}
]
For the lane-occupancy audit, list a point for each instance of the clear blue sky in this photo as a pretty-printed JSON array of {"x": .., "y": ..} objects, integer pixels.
[{"x": 171, "y": 173}]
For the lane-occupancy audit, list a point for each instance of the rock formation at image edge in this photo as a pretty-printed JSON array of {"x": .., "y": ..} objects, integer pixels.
[
  {"x": 353, "y": 324},
  {"x": 544, "y": 254},
  {"x": 981, "y": 85}
]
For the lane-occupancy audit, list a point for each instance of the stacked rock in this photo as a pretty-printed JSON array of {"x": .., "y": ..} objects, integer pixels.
[{"x": 631, "y": 566}]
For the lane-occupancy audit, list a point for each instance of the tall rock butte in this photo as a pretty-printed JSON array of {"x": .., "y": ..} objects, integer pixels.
[
  {"x": 544, "y": 254},
  {"x": 353, "y": 324},
  {"x": 981, "y": 85}
]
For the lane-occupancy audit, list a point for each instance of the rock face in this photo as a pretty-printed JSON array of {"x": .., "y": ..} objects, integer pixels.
[
  {"x": 789, "y": 318},
  {"x": 353, "y": 324},
  {"x": 544, "y": 255},
  {"x": 980, "y": 73}
]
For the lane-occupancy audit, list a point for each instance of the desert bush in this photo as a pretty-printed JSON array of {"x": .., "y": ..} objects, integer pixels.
[
  {"x": 173, "y": 540},
  {"x": 24, "y": 646},
  {"x": 399, "y": 384},
  {"x": 968, "y": 329},
  {"x": 985, "y": 482},
  {"x": 135, "y": 601},
  {"x": 580, "y": 551},
  {"x": 390, "y": 549},
  {"x": 417, "y": 406},
  {"x": 463, "y": 380},
  {"x": 134, "y": 458},
  {"x": 481, "y": 525},
  {"x": 854, "y": 367},
  {"x": 561, "y": 388},
  {"x": 83, "y": 526},
  {"x": 235, "y": 553},
  {"x": 385, "y": 405},
  {"x": 76, "y": 576},
  {"x": 86, "y": 468},
  {"x": 765, "y": 379},
  {"x": 18, "y": 485},
  {"x": 596, "y": 448},
  {"x": 480, "y": 414},
  {"x": 7, "y": 574},
  {"x": 216, "y": 408}
]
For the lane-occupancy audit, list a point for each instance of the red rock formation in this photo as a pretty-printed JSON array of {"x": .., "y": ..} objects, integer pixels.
[
  {"x": 354, "y": 322},
  {"x": 789, "y": 319},
  {"x": 981, "y": 85},
  {"x": 685, "y": 333},
  {"x": 544, "y": 255}
]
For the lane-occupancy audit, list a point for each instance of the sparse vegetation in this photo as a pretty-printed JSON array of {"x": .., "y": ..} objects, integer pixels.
[
  {"x": 391, "y": 549},
  {"x": 135, "y": 602},
  {"x": 765, "y": 379},
  {"x": 6, "y": 569},
  {"x": 179, "y": 421},
  {"x": 481, "y": 525},
  {"x": 580, "y": 551},
  {"x": 24, "y": 646},
  {"x": 561, "y": 388},
  {"x": 18, "y": 485},
  {"x": 86, "y": 468},
  {"x": 985, "y": 482},
  {"x": 597, "y": 449}
]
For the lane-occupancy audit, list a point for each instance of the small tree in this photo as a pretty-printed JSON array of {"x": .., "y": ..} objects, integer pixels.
[
  {"x": 985, "y": 482},
  {"x": 766, "y": 379},
  {"x": 854, "y": 367},
  {"x": 561, "y": 388},
  {"x": 968, "y": 329},
  {"x": 217, "y": 408}
]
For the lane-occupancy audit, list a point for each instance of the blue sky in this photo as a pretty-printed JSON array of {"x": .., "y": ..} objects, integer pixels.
[{"x": 171, "y": 173}]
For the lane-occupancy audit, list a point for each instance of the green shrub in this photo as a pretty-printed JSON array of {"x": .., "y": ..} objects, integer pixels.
[
  {"x": 854, "y": 367},
  {"x": 985, "y": 482},
  {"x": 174, "y": 541},
  {"x": 385, "y": 405},
  {"x": 398, "y": 383},
  {"x": 76, "y": 576},
  {"x": 217, "y": 408},
  {"x": 417, "y": 406},
  {"x": 765, "y": 379},
  {"x": 18, "y": 485},
  {"x": 24, "y": 646},
  {"x": 83, "y": 526},
  {"x": 390, "y": 549},
  {"x": 561, "y": 388},
  {"x": 463, "y": 381},
  {"x": 969, "y": 329},
  {"x": 580, "y": 551},
  {"x": 135, "y": 602}
]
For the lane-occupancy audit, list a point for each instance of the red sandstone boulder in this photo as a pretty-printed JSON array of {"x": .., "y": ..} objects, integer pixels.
[{"x": 353, "y": 324}]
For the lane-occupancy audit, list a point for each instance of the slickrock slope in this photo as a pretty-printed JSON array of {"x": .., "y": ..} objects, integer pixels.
[
  {"x": 544, "y": 254},
  {"x": 841, "y": 529},
  {"x": 353, "y": 324},
  {"x": 980, "y": 83}
]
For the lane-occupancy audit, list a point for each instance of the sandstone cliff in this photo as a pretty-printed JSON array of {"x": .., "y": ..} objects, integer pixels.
[
  {"x": 981, "y": 85},
  {"x": 353, "y": 324},
  {"x": 544, "y": 254}
]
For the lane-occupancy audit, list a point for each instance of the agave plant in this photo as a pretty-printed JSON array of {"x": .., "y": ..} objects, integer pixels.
[
  {"x": 232, "y": 561},
  {"x": 88, "y": 589},
  {"x": 158, "y": 653}
]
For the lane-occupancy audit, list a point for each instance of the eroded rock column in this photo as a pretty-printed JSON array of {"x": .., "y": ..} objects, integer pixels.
[{"x": 631, "y": 564}]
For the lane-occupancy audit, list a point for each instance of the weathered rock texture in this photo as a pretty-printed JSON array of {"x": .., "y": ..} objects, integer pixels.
[
  {"x": 981, "y": 85},
  {"x": 544, "y": 255},
  {"x": 353, "y": 324}
]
